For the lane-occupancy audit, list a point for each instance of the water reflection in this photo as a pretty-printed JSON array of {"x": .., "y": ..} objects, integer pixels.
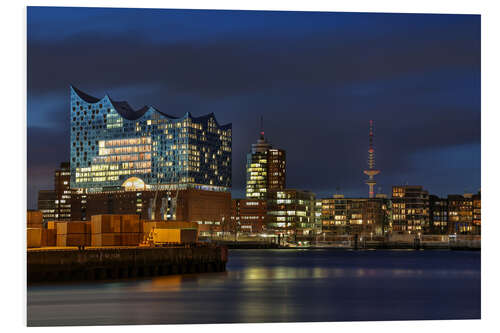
[{"x": 277, "y": 286}]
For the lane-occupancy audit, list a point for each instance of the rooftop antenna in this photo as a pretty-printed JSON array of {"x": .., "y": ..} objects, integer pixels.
[{"x": 262, "y": 127}]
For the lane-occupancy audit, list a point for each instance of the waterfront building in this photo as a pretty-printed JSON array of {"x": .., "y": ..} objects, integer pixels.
[
  {"x": 291, "y": 213},
  {"x": 461, "y": 214},
  {"x": 79, "y": 206},
  {"x": 410, "y": 209},
  {"x": 349, "y": 216},
  {"x": 355, "y": 210},
  {"x": 47, "y": 204},
  {"x": 63, "y": 192},
  {"x": 265, "y": 169},
  {"x": 56, "y": 205},
  {"x": 318, "y": 205},
  {"x": 146, "y": 162},
  {"x": 438, "y": 215},
  {"x": 377, "y": 214},
  {"x": 248, "y": 216},
  {"x": 276, "y": 169},
  {"x": 210, "y": 209},
  {"x": 476, "y": 212},
  {"x": 114, "y": 146},
  {"x": 334, "y": 215}
]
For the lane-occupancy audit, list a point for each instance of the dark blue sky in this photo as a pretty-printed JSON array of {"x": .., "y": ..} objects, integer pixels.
[{"x": 317, "y": 78}]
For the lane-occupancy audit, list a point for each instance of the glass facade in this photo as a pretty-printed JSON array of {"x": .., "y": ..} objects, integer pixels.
[
  {"x": 410, "y": 209},
  {"x": 257, "y": 175},
  {"x": 362, "y": 216},
  {"x": 113, "y": 145},
  {"x": 291, "y": 212},
  {"x": 265, "y": 169}
]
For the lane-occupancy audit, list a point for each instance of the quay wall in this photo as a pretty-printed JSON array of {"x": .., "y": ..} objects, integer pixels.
[{"x": 65, "y": 264}]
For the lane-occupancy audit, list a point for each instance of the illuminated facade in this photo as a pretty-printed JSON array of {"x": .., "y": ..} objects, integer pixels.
[
  {"x": 377, "y": 216},
  {"x": 438, "y": 215},
  {"x": 334, "y": 215},
  {"x": 476, "y": 212},
  {"x": 464, "y": 214},
  {"x": 291, "y": 213},
  {"x": 59, "y": 204},
  {"x": 410, "y": 209},
  {"x": 265, "y": 169},
  {"x": 63, "y": 193},
  {"x": 248, "y": 215},
  {"x": 114, "y": 147},
  {"x": 47, "y": 204},
  {"x": 210, "y": 209},
  {"x": 362, "y": 216}
]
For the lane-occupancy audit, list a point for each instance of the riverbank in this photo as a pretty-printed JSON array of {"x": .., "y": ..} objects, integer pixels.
[{"x": 366, "y": 245}]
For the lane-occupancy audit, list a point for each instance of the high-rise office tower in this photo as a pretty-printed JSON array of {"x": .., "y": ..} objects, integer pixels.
[{"x": 265, "y": 169}]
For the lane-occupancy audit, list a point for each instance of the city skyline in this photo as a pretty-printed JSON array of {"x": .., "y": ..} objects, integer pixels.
[{"x": 427, "y": 133}]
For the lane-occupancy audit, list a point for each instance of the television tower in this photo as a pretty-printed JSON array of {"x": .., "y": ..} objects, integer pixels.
[{"x": 371, "y": 171}]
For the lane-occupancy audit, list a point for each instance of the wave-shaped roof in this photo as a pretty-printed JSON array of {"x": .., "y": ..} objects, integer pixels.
[
  {"x": 87, "y": 98},
  {"x": 127, "y": 112}
]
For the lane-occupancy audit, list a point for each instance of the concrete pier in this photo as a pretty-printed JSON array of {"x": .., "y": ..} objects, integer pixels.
[{"x": 71, "y": 264}]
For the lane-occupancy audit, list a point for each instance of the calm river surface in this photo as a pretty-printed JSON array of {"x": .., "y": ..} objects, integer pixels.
[{"x": 278, "y": 286}]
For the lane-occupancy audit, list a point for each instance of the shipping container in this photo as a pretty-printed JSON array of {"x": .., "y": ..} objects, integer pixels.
[
  {"x": 171, "y": 224},
  {"x": 130, "y": 223},
  {"x": 166, "y": 236},
  {"x": 34, "y": 219},
  {"x": 105, "y": 224},
  {"x": 106, "y": 239},
  {"x": 130, "y": 239},
  {"x": 72, "y": 227},
  {"x": 34, "y": 237},
  {"x": 49, "y": 237},
  {"x": 73, "y": 240}
]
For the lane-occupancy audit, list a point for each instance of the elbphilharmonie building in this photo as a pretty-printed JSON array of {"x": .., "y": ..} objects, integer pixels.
[{"x": 114, "y": 147}]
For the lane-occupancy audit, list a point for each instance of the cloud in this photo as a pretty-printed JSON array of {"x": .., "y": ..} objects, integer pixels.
[
  {"x": 317, "y": 79},
  {"x": 240, "y": 64}
]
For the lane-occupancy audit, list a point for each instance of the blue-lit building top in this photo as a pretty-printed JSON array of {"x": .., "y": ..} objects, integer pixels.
[{"x": 115, "y": 147}]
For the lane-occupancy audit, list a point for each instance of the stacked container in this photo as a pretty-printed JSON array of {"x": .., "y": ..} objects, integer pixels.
[
  {"x": 105, "y": 230},
  {"x": 34, "y": 219},
  {"x": 116, "y": 230},
  {"x": 131, "y": 230},
  {"x": 49, "y": 237},
  {"x": 34, "y": 237},
  {"x": 172, "y": 232},
  {"x": 74, "y": 233}
]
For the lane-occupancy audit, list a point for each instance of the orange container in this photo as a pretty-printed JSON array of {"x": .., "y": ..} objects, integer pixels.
[
  {"x": 105, "y": 224},
  {"x": 33, "y": 237},
  {"x": 106, "y": 239}
]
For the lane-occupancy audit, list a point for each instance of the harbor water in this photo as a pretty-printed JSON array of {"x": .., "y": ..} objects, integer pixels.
[{"x": 263, "y": 286}]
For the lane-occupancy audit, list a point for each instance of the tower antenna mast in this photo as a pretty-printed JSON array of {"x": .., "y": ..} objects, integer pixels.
[
  {"x": 262, "y": 127},
  {"x": 371, "y": 172}
]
